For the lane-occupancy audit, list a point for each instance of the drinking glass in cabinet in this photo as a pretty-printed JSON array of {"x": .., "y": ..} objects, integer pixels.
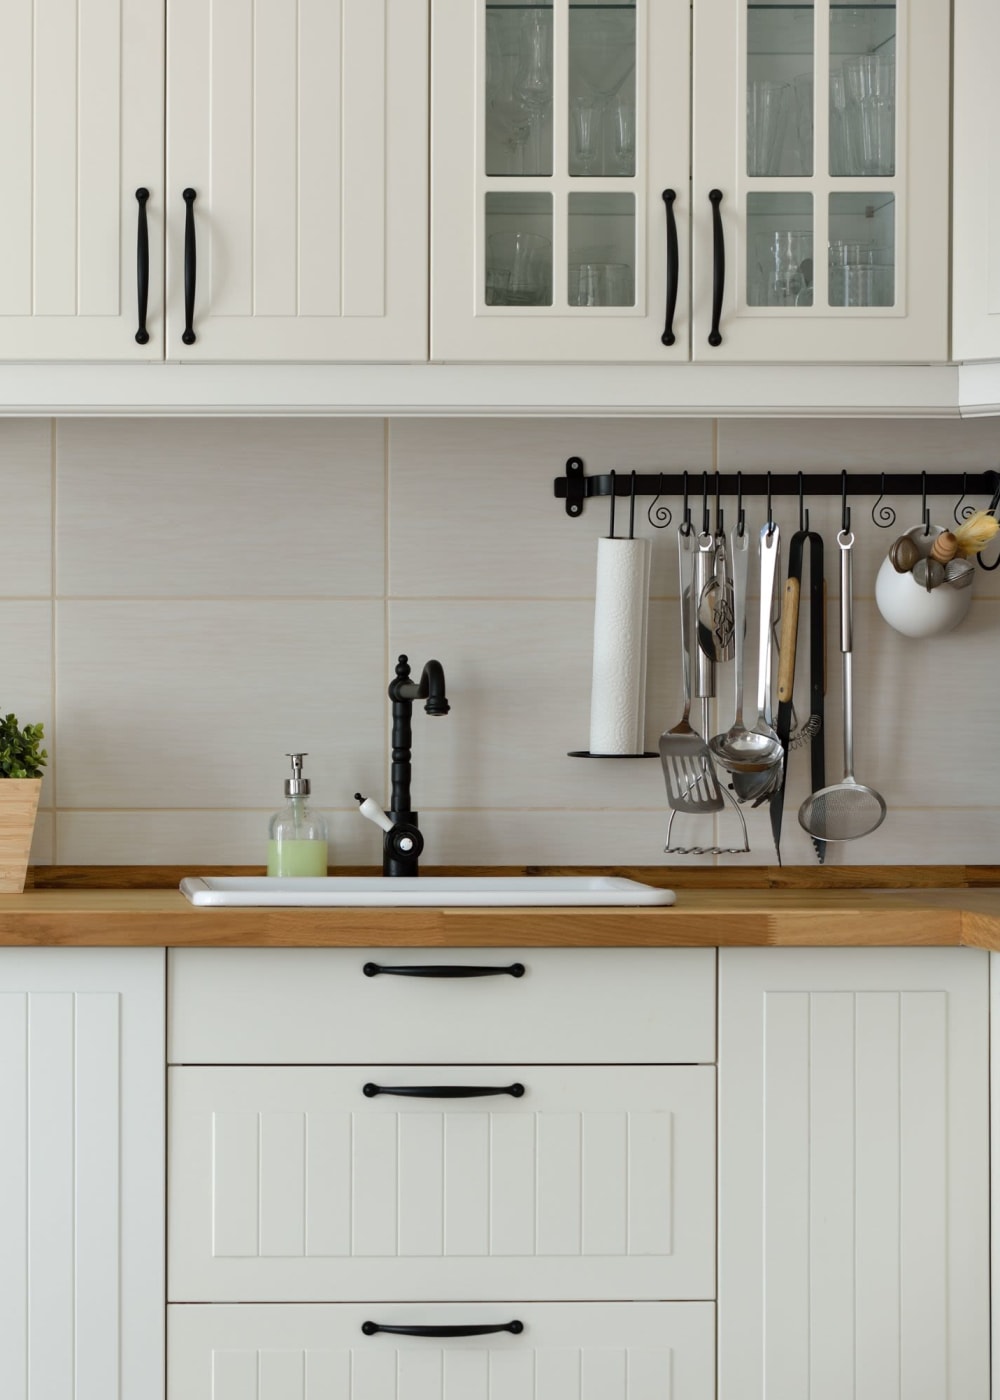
[
  {"x": 779, "y": 250},
  {"x": 601, "y": 249},
  {"x": 600, "y": 284},
  {"x": 861, "y": 253},
  {"x": 602, "y": 56},
  {"x": 780, "y": 44},
  {"x": 870, "y": 113},
  {"x": 519, "y": 90},
  {"x": 767, "y": 116}
]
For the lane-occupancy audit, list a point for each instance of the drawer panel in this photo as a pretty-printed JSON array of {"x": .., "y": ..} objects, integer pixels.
[
  {"x": 290, "y": 1185},
  {"x": 317, "y": 1006},
  {"x": 567, "y": 1351}
]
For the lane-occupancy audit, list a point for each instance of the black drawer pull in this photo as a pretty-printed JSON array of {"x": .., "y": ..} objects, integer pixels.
[
  {"x": 668, "y": 337},
  {"x": 190, "y": 267},
  {"x": 370, "y": 1328},
  {"x": 443, "y": 1091},
  {"x": 142, "y": 266},
  {"x": 371, "y": 969}
]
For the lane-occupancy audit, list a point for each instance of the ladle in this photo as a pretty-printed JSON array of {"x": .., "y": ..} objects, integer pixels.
[{"x": 756, "y": 750}]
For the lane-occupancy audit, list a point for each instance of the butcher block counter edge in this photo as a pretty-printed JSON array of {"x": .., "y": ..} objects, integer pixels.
[{"x": 700, "y": 918}]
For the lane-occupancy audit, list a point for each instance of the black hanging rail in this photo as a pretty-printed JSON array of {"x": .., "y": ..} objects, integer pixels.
[{"x": 575, "y": 487}]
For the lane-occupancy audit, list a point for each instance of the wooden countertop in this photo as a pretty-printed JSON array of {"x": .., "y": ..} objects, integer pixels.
[{"x": 141, "y": 917}]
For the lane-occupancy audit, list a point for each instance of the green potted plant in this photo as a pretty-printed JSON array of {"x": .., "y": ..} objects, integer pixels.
[{"x": 21, "y": 762}]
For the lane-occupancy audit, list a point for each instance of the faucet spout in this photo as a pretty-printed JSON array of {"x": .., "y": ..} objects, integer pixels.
[{"x": 431, "y": 686}]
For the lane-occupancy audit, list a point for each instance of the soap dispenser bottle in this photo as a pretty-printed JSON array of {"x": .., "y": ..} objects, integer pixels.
[{"x": 298, "y": 838}]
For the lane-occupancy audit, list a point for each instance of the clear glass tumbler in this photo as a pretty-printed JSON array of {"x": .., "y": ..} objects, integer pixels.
[
  {"x": 785, "y": 261},
  {"x": 518, "y": 269},
  {"x": 767, "y": 117},
  {"x": 870, "y": 114}
]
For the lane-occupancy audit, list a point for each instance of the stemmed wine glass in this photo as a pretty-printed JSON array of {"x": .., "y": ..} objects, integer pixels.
[
  {"x": 533, "y": 76},
  {"x": 512, "y": 115},
  {"x": 603, "y": 51}
]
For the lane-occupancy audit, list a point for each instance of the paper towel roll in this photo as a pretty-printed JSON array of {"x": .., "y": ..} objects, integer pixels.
[{"x": 618, "y": 690}]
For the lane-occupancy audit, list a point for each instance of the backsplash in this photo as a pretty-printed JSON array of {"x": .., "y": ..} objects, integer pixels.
[{"x": 185, "y": 601}]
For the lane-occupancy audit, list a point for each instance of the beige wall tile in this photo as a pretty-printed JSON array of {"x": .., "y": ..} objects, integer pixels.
[
  {"x": 471, "y": 510},
  {"x": 26, "y": 485},
  {"x": 558, "y": 837},
  {"x": 198, "y": 837},
  {"x": 859, "y": 444},
  {"x": 26, "y": 629},
  {"x": 194, "y": 704},
  {"x": 192, "y": 507},
  {"x": 42, "y": 841}
]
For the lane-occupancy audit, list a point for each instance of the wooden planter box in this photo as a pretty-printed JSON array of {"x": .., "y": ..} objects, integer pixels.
[{"x": 18, "y": 805}]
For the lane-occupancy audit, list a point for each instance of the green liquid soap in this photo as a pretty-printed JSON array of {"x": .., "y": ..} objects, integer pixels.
[{"x": 300, "y": 858}]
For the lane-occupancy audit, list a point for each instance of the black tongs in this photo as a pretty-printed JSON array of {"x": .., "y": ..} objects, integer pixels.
[{"x": 815, "y": 725}]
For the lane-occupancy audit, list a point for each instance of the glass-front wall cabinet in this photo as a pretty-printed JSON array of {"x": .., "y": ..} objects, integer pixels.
[
  {"x": 554, "y": 139},
  {"x": 823, "y": 127}
]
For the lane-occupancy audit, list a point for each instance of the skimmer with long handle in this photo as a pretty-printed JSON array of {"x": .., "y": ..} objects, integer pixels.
[
  {"x": 845, "y": 810},
  {"x": 687, "y": 764}
]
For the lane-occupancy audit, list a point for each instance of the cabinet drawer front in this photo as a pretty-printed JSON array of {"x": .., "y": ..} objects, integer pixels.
[
  {"x": 567, "y": 1351},
  {"x": 317, "y": 1006},
  {"x": 290, "y": 1185}
]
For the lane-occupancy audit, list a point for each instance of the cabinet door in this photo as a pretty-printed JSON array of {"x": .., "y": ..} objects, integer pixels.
[
  {"x": 81, "y": 110},
  {"x": 81, "y": 1173},
  {"x": 575, "y": 1351},
  {"x": 824, "y": 128},
  {"x": 296, "y": 1185},
  {"x": 556, "y": 127},
  {"x": 853, "y": 1174},
  {"x": 976, "y": 176},
  {"x": 302, "y": 129}
]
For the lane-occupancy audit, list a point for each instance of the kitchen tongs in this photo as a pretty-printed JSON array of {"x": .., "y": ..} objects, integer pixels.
[{"x": 814, "y": 726}]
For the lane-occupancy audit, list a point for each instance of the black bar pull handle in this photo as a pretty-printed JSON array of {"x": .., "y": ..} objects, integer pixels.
[
  {"x": 718, "y": 267},
  {"x": 668, "y": 337},
  {"x": 371, "y": 969},
  {"x": 142, "y": 266},
  {"x": 483, "y": 1330},
  {"x": 443, "y": 1091},
  {"x": 190, "y": 267}
]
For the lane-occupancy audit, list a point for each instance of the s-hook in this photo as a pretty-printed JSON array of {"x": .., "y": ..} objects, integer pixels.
[
  {"x": 660, "y": 516},
  {"x": 925, "y": 513},
  {"x": 631, "y": 506},
  {"x": 741, "y": 515},
  {"x": 686, "y": 527},
  {"x": 611, "y": 531},
  {"x": 991, "y": 510},
  {"x": 770, "y": 511},
  {"x": 882, "y": 515},
  {"x": 845, "y": 509},
  {"x": 803, "y": 513},
  {"x": 961, "y": 512}
]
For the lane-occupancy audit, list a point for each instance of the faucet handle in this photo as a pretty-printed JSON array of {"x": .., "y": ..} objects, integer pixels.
[{"x": 369, "y": 808}]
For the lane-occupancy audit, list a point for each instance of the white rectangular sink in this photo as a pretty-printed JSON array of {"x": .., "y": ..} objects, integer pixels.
[{"x": 227, "y": 891}]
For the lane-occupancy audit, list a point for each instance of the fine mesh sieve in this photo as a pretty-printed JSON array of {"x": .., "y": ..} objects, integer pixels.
[{"x": 845, "y": 810}]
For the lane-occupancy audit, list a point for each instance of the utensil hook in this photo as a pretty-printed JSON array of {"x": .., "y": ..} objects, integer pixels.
[
  {"x": 925, "y": 513},
  {"x": 631, "y": 506},
  {"x": 962, "y": 512},
  {"x": 720, "y": 525},
  {"x": 659, "y": 516},
  {"x": 882, "y": 515},
  {"x": 741, "y": 515},
  {"x": 686, "y": 527},
  {"x": 705, "y": 518},
  {"x": 991, "y": 510},
  {"x": 845, "y": 509},
  {"x": 803, "y": 513},
  {"x": 770, "y": 512},
  {"x": 611, "y": 532}
]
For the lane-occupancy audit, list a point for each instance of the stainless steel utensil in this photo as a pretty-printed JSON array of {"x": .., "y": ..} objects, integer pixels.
[
  {"x": 715, "y": 607},
  {"x": 737, "y": 749},
  {"x": 687, "y": 764},
  {"x": 848, "y": 809}
]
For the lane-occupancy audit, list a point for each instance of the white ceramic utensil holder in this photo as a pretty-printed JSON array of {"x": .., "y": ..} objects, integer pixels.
[{"x": 908, "y": 606}]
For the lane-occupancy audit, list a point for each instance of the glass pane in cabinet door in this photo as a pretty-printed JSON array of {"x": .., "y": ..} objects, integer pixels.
[
  {"x": 863, "y": 89},
  {"x": 780, "y": 88},
  {"x": 518, "y": 268},
  {"x": 862, "y": 249},
  {"x": 602, "y": 54},
  {"x": 519, "y": 89},
  {"x": 601, "y": 270},
  {"x": 779, "y": 250}
]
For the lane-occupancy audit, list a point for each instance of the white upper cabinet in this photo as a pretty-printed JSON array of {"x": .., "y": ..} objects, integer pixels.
[
  {"x": 976, "y": 176},
  {"x": 81, "y": 110},
  {"x": 824, "y": 129},
  {"x": 302, "y": 131},
  {"x": 818, "y": 209},
  {"x": 556, "y": 129}
]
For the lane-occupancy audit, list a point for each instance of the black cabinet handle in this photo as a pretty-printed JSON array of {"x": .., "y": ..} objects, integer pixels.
[
  {"x": 142, "y": 266},
  {"x": 371, "y": 969},
  {"x": 443, "y": 1091},
  {"x": 190, "y": 267},
  {"x": 370, "y": 1328},
  {"x": 718, "y": 267},
  {"x": 668, "y": 336}
]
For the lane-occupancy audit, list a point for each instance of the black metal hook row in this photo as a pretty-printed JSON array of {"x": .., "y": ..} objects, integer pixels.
[{"x": 575, "y": 487}]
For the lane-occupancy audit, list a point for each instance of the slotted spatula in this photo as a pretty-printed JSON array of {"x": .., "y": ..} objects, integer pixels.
[{"x": 687, "y": 763}]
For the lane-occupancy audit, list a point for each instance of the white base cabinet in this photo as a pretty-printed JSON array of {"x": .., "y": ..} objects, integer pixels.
[
  {"x": 580, "y": 1351},
  {"x": 81, "y": 1174},
  {"x": 853, "y": 1174}
]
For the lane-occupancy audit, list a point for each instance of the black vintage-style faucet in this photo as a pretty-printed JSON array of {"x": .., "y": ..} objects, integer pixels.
[{"x": 402, "y": 842}]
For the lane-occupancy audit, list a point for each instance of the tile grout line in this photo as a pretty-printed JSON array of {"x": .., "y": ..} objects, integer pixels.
[
  {"x": 386, "y": 659},
  {"x": 53, "y": 584}
]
